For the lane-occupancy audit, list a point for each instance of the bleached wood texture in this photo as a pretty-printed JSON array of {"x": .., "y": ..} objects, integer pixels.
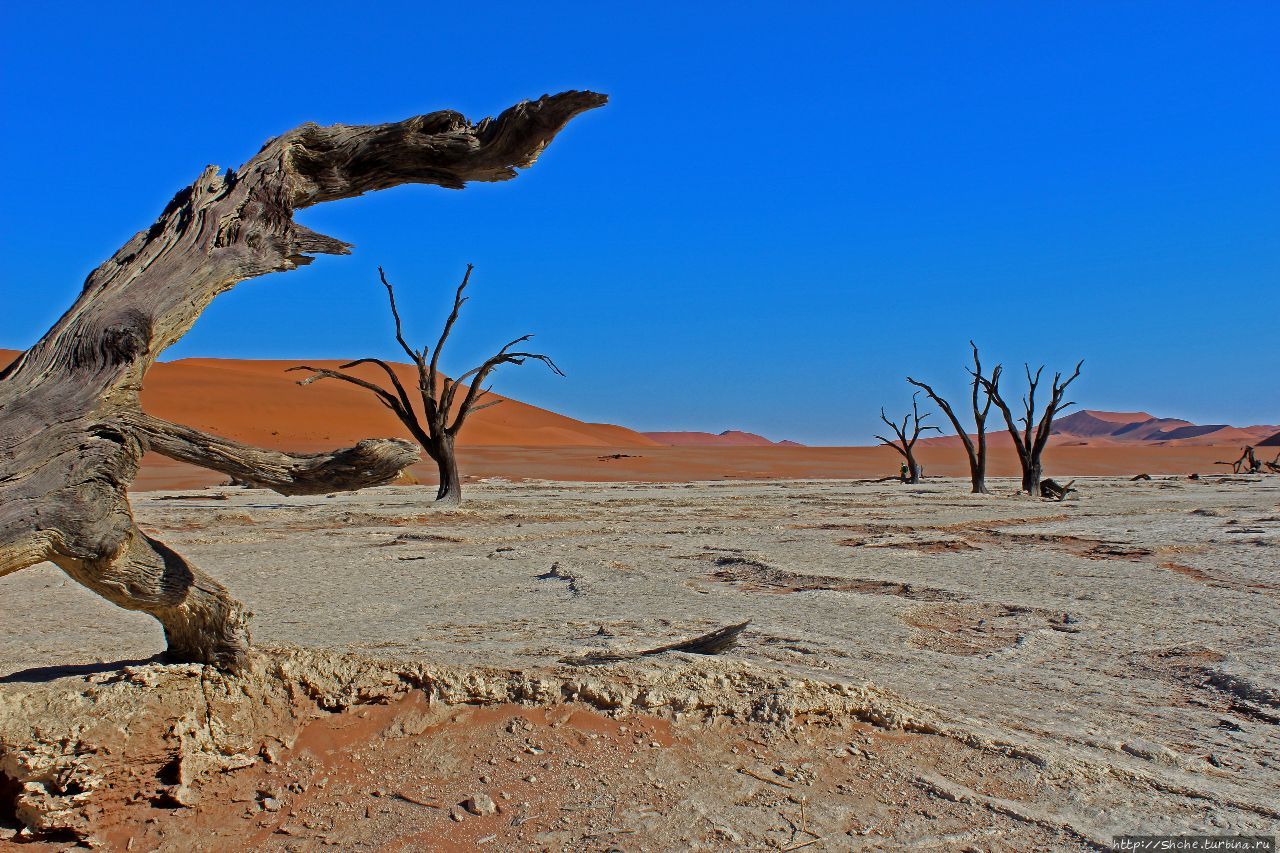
[{"x": 71, "y": 429}]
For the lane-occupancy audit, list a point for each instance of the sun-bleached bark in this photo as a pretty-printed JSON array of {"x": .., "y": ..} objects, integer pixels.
[{"x": 71, "y": 428}]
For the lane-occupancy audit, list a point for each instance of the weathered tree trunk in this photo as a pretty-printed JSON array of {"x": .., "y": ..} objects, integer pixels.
[
  {"x": 1032, "y": 471},
  {"x": 71, "y": 429},
  {"x": 446, "y": 458}
]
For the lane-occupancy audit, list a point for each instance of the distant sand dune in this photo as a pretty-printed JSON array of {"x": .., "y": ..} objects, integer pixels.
[{"x": 258, "y": 403}]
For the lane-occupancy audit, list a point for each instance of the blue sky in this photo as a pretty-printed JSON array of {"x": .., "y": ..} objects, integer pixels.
[{"x": 784, "y": 209}]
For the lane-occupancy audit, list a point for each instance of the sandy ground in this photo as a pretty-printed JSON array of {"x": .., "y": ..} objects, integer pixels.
[
  {"x": 693, "y": 464},
  {"x": 924, "y": 669}
]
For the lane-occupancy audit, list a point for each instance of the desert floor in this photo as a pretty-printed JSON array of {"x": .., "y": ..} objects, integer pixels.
[
  {"x": 626, "y": 463},
  {"x": 924, "y": 669}
]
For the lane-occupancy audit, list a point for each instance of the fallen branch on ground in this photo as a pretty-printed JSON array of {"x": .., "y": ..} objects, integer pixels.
[
  {"x": 719, "y": 640},
  {"x": 1050, "y": 489}
]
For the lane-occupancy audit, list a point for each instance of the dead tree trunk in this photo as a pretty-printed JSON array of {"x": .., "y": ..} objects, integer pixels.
[
  {"x": 439, "y": 425},
  {"x": 905, "y": 446},
  {"x": 71, "y": 429},
  {"x": 1248, "y": 463},
  {"x": 449, "y": 492},
  {"x": 977, "y": 451},
  {"x": 1031, "y": 441}
]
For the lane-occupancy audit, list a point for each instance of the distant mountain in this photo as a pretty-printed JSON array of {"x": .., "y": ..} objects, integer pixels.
[
  {"x": 1142, "y": 428},
  {"x": 1095, "y": 427},
  {"x": 728, "y": 438}
]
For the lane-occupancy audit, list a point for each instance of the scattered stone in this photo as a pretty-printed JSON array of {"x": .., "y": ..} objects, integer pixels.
[
  {"x": 182, "y": 796},
  {"x": 480, "y": 804}
]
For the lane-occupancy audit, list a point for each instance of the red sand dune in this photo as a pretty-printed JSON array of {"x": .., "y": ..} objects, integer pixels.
[
  {"x": 258, "y": 403},
  {"x": 1126, "y": 427},
  {"x": 1090, "y": 427},
  {"x": 728, "y": 438}
]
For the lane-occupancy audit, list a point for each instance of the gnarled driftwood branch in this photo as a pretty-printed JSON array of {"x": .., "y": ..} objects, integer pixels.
[{"x": 71, "y": 429}]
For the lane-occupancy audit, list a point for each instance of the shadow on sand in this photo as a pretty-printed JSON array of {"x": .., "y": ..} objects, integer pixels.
[{"x": 44, "y": 674}]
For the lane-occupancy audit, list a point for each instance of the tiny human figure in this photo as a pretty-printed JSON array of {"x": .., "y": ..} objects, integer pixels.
[{"x": 902, "y": 475}]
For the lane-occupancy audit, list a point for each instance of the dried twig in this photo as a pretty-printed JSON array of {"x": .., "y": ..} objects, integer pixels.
[
  {"x": 748, "y": 772},
  {"x": 400, "y": 795}
]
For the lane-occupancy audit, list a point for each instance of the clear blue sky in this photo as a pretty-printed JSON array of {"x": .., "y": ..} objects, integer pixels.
[{"x": 784, "y": 209}]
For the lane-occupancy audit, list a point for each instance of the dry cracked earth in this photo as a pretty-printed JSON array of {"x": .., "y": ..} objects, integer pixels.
[{"x": 924, "y": 669}]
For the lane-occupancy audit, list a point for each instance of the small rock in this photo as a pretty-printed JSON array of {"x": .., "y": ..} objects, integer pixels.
[
  {"x": 270, "y": 804},
  {"x": 457, "y": 814},
  {"x": 480, "y": 804},
  {"x": 531, "y": 778},
  {"x": 728, "y": 834},
  {"x": 183, "y": 796}
]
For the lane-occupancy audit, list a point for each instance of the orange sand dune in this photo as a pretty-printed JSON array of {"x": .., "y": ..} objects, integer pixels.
[
  {"x": 728, "y": 438},
  {"x": 1089, "y": 427},
  {"x": 257, "y": 402},
  {"x": 687, "y": 464}
]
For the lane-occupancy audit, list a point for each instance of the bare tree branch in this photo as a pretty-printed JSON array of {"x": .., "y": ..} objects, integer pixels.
[
  {"x": 433, "y": 429},
  {"x": 914, "y": 421},
  {"x": 977, "y": 455},
  {"x": 71, "y": 429},
  {"x": 1030, "y": 447}
]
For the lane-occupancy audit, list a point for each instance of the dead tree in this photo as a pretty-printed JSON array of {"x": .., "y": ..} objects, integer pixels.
[
  {"x": 71, "y": 428},
  {"x": 980, "y": 399},
  {"x": 1248, "y": 463},
  {"x": 437, "y": 429},
  {"x": 1032, "y": 439},
  {"x": 905, "y": 446}
]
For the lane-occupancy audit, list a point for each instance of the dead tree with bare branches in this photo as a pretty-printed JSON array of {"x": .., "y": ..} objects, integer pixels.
[
  {"x": 1032, "y": 439},
  {"x": 72, "y": 431},
  {"x": 1248, "y": 463},
  {"x": 441, "y": 420},
  {"x": 980, "y": 399},
  {"x": 914, "y": 422}
]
